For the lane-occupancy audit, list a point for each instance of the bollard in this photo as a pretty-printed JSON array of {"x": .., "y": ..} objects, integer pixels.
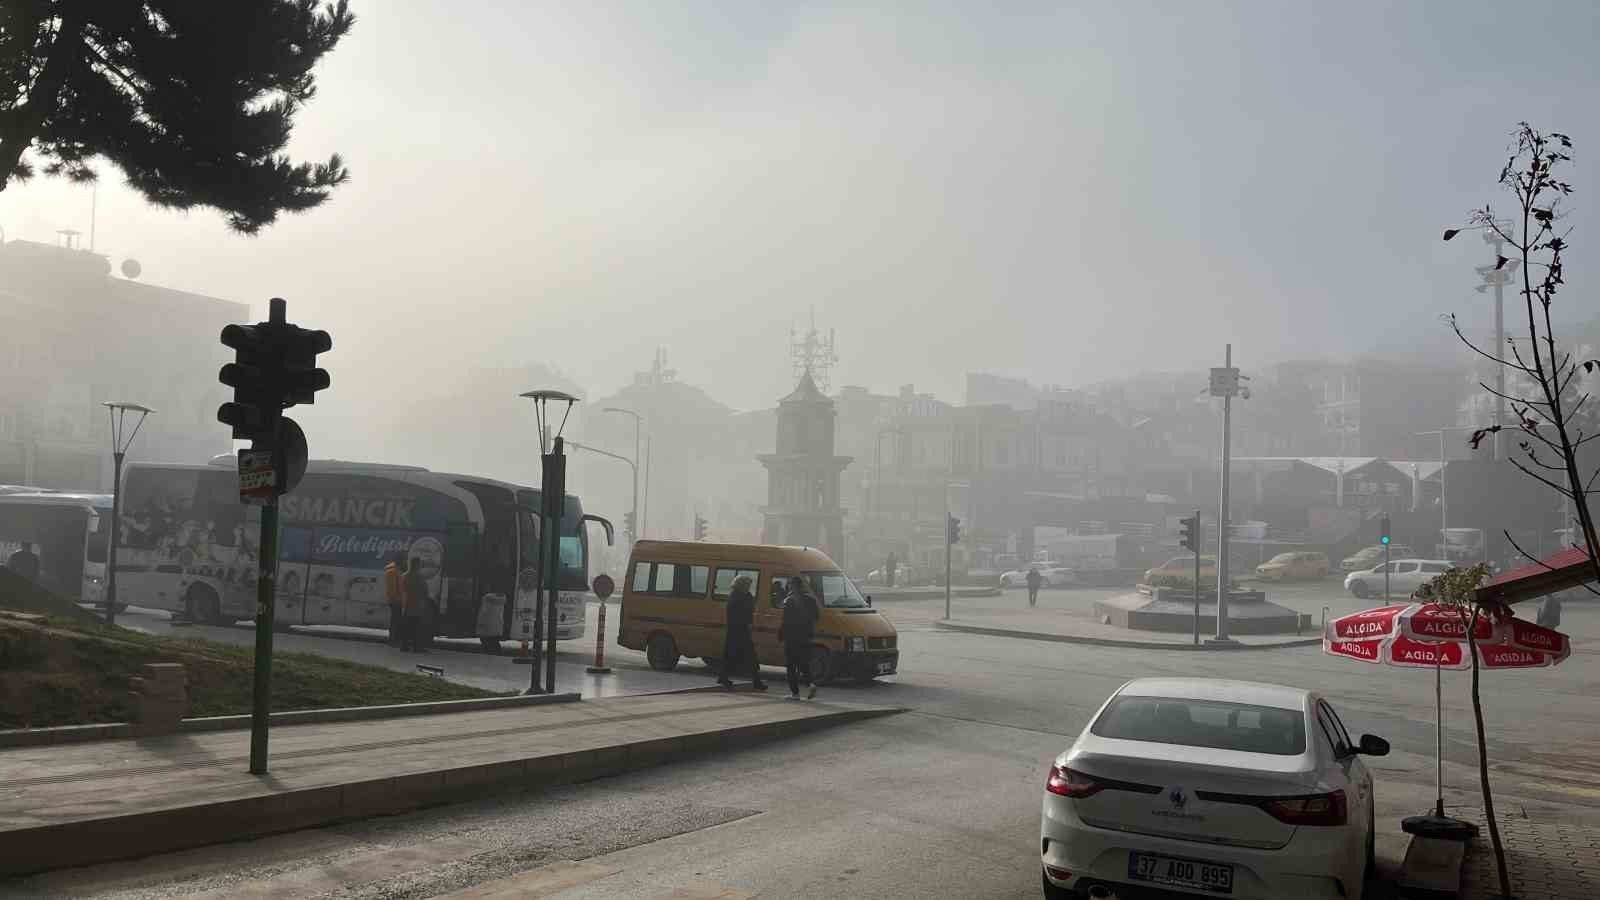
[{"x": 600, "y": 667}]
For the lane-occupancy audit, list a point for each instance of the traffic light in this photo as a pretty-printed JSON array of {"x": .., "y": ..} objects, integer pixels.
[
  {"x": 1191, "y": 533},
  {"x": 952, "y": 530},
  {"x": 301, "y": 377},
  {"x": 1383, "y": 533},
  {"x": 253, "y": 410},
  {"x": 699, "y": 527},
  {"x": 274, "y": 367}
]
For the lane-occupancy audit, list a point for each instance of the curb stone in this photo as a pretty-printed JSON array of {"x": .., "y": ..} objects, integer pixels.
[{"x": 1117, "y": 642}]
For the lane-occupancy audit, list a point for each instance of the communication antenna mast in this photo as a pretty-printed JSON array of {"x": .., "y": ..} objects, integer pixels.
[{"x": 813, "y": 354}]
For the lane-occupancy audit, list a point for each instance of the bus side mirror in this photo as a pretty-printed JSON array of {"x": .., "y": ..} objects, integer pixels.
[{"x": 611, "y": 535}]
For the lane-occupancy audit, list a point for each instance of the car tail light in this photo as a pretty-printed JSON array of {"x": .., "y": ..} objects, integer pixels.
[
  {"x": 1068, "y": 783},
  {"x": 1057, "y": 874},
  {"x": 1315, "y": 809}
]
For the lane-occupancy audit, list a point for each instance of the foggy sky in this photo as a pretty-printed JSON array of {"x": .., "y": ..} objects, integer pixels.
[{"x": 1067, "y": 192}]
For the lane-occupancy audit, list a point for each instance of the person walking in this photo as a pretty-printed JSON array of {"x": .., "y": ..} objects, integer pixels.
[
  {"x": 1035, "y": 581},
  {"x": 889, "y": 567},
  {"x": 414, "y": 605},
  {"x": 394, "y": 592},
  {"x": 738, "y": 646},
  {"x": 800, "y": 613}
]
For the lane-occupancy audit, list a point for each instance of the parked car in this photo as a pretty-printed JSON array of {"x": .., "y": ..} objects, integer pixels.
[
  {"x": 1367, "y": 557},
  {"x": 1301, "y": 564},
  {"x": 1183, "y": 567},
  {"x": 1405, "y": 576},
  {"x": 1210, "y": 788},
  {"x": 1054, "y": 576},
  {"x": 902, "y": 576}
]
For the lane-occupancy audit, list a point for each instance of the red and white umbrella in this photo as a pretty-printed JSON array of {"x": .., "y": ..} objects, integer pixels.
[
  {"x": 1430, "y": 635},
  {"x": 1434, "y": 636}
]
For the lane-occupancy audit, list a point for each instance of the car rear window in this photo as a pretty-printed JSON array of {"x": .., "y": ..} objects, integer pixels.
[{"x": 1213, "y": 724}]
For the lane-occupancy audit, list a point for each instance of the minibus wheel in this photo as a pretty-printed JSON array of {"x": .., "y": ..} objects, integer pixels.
[{"x": 662, "y": 652}]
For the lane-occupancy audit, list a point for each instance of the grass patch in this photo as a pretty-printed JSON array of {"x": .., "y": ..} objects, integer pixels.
[{"x": 66, "y": 672}]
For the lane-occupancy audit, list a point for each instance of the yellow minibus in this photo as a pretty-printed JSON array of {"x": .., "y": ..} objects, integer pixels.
[{"x": 674, "y": 604}]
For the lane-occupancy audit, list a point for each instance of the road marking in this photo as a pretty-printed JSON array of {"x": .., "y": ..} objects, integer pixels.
[
  {"x": 540, "y": 882},
  {"x": 360, "y": 868},
  {"x": 1562, "y": 789},
  {"x": 703, "y": 890}
]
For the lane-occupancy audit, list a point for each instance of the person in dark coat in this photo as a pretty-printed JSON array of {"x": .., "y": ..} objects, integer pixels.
[
  {"x": 800, "y": 614},
  {"x": 1034, "y": 581},
  {"x": 414, "y": 605},
  {"x": 738, "y": 647}
]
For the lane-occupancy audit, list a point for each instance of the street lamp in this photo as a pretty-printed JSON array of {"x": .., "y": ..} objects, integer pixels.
[
  {"x": 552, "y": 497},
  {"x": 877, "y": 469},
  {"x": 637, "y": 421},
  {"x": 1495, "y": 274},
  {"x": 121, "y": 439},
  {"x": 1444, "y": 509},
  {"x": 632, "y": 465}
]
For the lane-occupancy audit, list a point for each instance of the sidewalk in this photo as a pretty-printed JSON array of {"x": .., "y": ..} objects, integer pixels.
[
  {"x": 86, "y": 803},
  {"x": 1546, "y": 861}
]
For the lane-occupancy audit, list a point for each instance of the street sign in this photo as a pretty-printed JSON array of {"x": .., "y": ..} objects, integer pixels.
[{"x": 257, "y": 479}]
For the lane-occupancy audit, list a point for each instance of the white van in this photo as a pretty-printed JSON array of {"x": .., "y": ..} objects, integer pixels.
[{"x": 1405, "y": 576}]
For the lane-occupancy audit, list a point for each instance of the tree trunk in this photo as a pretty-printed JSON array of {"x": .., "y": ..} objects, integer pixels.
[{"x": 1483, "y": 762}]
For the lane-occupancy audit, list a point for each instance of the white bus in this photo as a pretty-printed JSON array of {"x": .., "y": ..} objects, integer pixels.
[
  {"x": 67, "y": 532},
  {"x": 188, "y": 545}
]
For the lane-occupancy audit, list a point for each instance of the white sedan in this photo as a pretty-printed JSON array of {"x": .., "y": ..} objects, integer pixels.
[
  {"x": 1213, "y": 788},
  {"x": 1054, "y": 576}
]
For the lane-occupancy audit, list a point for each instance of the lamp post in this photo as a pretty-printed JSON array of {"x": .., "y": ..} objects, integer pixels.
[
  {"x": 1495, "y": 275},
  {"x": 1444, "y": 503},
  {"x": 631, "y": 464},
  {"x": 552, "y": 503},
  {"x": 877, "y": 472},
  {"x": 638, "y": 420},
  {"x": 121, "y": 440}
]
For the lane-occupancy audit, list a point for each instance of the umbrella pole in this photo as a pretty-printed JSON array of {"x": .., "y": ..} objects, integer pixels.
[{"x": 1438, "y": 735}]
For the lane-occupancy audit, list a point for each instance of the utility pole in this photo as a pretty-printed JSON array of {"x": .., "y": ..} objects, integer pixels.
[{"x": 1225, "y": 384}]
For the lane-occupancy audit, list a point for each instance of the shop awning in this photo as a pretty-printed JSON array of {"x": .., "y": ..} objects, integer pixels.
[{"x": 1566, "y": 569}]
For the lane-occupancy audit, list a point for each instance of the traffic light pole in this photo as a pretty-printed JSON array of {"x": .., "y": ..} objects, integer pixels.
[
  {"x": 1385, "y": 573},
  {"x": 1197, "y": 578},
  {"x": 261, "y": 694}
]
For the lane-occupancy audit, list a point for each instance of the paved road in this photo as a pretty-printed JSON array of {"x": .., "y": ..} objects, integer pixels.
[{"x": 942, "y": 801}]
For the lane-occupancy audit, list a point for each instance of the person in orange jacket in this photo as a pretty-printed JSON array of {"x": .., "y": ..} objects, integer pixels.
[{"x": 394, "y": 593}]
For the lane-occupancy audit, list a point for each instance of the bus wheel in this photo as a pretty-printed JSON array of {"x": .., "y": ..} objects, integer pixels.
[
  {"x": 200, "y": 604},
  {"x": 821, "y": 665},
  {"x": 662, "y": 652}
]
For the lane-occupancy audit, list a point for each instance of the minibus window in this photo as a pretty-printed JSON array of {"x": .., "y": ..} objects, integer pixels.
[
  {"x": 780, "y": 590},
  {"x": 835, "y": 590},
  {"x": 699, "y": 577},
  {"x": 726, "y": 578},
  {"x": 665, "y": 573},
  {"x": 641, "y": 577}
]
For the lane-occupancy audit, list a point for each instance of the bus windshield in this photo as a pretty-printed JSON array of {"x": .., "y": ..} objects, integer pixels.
[
  {"x": 572, "y": 547},
  {"x": 835, "y": 590}
]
